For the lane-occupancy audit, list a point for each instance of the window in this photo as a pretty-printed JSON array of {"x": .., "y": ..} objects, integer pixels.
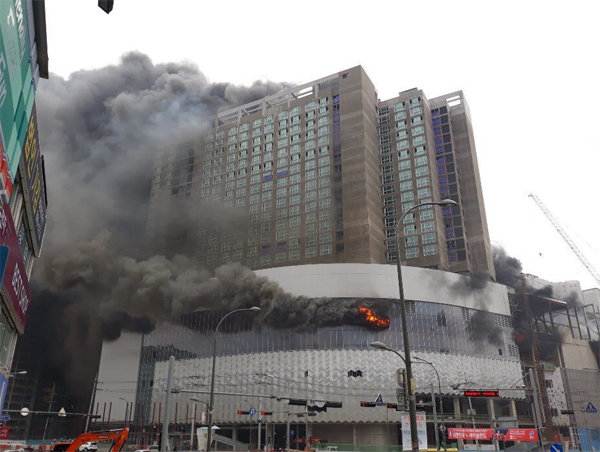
[
  {"x": 418, "y": 140},
  {"x": 429, "y": 237},
  {"x": 386, "y": 159},
  {"x": 422, "y": 182},
  {"x": 420, "y": 130},
  {"x": 415, "y": 101},
  {"x": 401, "y": 125},
  {"x": 412, "y": 240},
  {"x": 404, "y": 175},
  {"x": 426, "y": 214},
  {"x": 403, "y": 154},
  {"x": 389, "y": 211},
  {"x": 415, "y": 111},
  {"x": 401, "y": 134},
  {"x": 387, "y": 189},
  {"x": 399, "y": 106},
  {"x": 427, "y": 226},
  {"x": 429, "y": 250},
  {"x": 423, "y": 193},
  {"x": 404, "y": 164},
  {"x": 400, "y": 115},
  {"x": 390, "y": 222},
  {"x": 326, "y": 249},
  {"x": 402, "y": 145},
  {"x": 422, "y": 171},
  {"x": 385, "y": 149},
  {"x": 408, "y": 185},
  {"x": 387, "y": 179},
  {"x": 407, "y": 196},
  {"x": 410, "y": 229},
  {"x": 417, "y": 120},
  {"x": 412, "y": 253}
]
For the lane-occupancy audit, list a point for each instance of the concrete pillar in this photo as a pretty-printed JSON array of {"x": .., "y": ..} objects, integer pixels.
[
  {"x": 354, "y": 434},
  {"x": 491, "y": 409},
  {"x": 456, "y": 404},
  {"x": 234, "y": 433},
  {"x": 513, "y": 408}
]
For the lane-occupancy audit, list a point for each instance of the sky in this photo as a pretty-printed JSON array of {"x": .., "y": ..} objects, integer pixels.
[{"x": 529, "y": 71}]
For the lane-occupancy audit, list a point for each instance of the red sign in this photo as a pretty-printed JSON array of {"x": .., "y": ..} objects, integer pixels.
[
  {"x": 5, "y": 181},
  {"x": 14, "y": 282},
  {"x": 477, "y": 393},
  {"x": 4, "y": 432},
  {"x": 521, "y": 434},
  {"x": 470, "y": 433}
]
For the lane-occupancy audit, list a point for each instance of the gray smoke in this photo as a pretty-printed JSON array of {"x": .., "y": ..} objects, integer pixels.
[
  {"x": 508, "y": 268},
  {"x": 101, "y": 132}
]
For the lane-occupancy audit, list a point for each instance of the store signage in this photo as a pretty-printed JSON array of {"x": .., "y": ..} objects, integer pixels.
[
  {"x": 470, "y": 433},
  {"x": 421, "y": 431},
  {"x": 14, "y": 282},
  {"x": 4, "y": 432},
  {"x": 517, "y": 434},
  {"x": 34, "y": 187},
  {"x": 3, "y": 387}
]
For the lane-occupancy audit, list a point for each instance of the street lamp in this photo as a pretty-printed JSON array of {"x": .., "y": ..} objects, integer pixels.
[
  {"x": 194, "y": 399},
  {"x": 424, "y": 361},
  {"x": 412, "y": 408},
  {"x": 212, "y": 378}
]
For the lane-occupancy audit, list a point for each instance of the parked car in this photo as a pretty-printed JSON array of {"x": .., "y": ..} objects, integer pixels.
[{"x": 90, "y": 446}]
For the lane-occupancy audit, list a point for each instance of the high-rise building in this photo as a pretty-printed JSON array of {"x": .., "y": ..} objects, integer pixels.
[
  {"x": 23, "y": 60},
  {"x": 324, "y": 172}
]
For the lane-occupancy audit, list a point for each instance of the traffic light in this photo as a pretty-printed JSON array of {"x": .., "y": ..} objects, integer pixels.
[
  {"x": 243, "y": 412},
  {"x": 367, "y": 404},
  {"x": 392, "y": 405},
  {"x": 266, "y": 413}
]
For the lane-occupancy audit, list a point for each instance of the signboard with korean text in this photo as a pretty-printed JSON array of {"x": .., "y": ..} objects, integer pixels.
[
  {"x": 15, "y": 284},
  {"x": 421, "y": 431},
  {"x": 34, "y": 186},
  {"x": 3, "y": 387},
  {"x": 470, "y": 433},
  {"x": 16, "y": 81}
]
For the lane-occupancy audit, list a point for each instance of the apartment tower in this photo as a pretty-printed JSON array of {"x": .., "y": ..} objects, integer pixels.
[{"x": 321, "y": 173}]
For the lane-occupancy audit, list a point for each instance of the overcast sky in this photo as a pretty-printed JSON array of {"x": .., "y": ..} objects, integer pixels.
[{"x": 529, "y": 71}]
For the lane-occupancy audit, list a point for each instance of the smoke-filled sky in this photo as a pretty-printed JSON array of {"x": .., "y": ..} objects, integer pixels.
[{"x": 527, "y": 69}]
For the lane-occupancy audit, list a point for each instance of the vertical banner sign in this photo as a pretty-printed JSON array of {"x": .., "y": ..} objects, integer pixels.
[
  {"x": 421, "y": 432},
  {"x": 16, "y": 81},
  {"x": 14, "y": 282},
  {"x": 34, "y": 189},
  {"x": 3, "y": 386}
]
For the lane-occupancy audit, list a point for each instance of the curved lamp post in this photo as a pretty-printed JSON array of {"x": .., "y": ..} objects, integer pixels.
[
  {"x": 412, "y": 402},
  {"x": 212, "y": 378}
]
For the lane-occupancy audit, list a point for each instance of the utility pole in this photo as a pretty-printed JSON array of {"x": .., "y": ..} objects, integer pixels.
[
  {"x": 52, "y": 394},
  {"x": 287, "y": 432},
  {"x": 91, "y": 407},
  {"x": 435, "y": 421},
  {"x": 165, "y": 446}
]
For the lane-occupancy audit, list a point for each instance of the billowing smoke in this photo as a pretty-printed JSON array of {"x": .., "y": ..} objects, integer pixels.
[
  {"x": 101, "y": 132},
  {"x": 508, "y": 269}
]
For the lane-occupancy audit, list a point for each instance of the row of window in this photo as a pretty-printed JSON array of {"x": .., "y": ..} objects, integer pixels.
[{"x": 413, "y": 253}]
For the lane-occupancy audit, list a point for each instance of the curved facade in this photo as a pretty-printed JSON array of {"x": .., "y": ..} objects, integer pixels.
[{"x": 449, "y": 326}]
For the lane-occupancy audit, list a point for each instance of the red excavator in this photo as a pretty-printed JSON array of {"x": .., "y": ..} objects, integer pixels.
[{"x": 117, "y": 436}]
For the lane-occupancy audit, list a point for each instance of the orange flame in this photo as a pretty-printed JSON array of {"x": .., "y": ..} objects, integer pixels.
[{"x": 373, "y": 319}]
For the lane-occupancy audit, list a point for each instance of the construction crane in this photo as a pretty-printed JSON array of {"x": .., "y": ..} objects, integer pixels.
[{"x": 566, "y": 238}]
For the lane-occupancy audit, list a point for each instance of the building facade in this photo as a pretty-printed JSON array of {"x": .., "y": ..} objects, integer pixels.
[
  {"x": 323, "y": 172},
  {"x": 262, "y": 367},
  {"x": 23, "y": 60}
]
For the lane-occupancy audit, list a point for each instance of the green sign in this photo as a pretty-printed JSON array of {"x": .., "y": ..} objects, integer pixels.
[{"x": 16, "y": 82}]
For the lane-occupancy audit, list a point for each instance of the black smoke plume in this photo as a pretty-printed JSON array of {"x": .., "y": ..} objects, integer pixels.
[{"x": 100, "y": 132}]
